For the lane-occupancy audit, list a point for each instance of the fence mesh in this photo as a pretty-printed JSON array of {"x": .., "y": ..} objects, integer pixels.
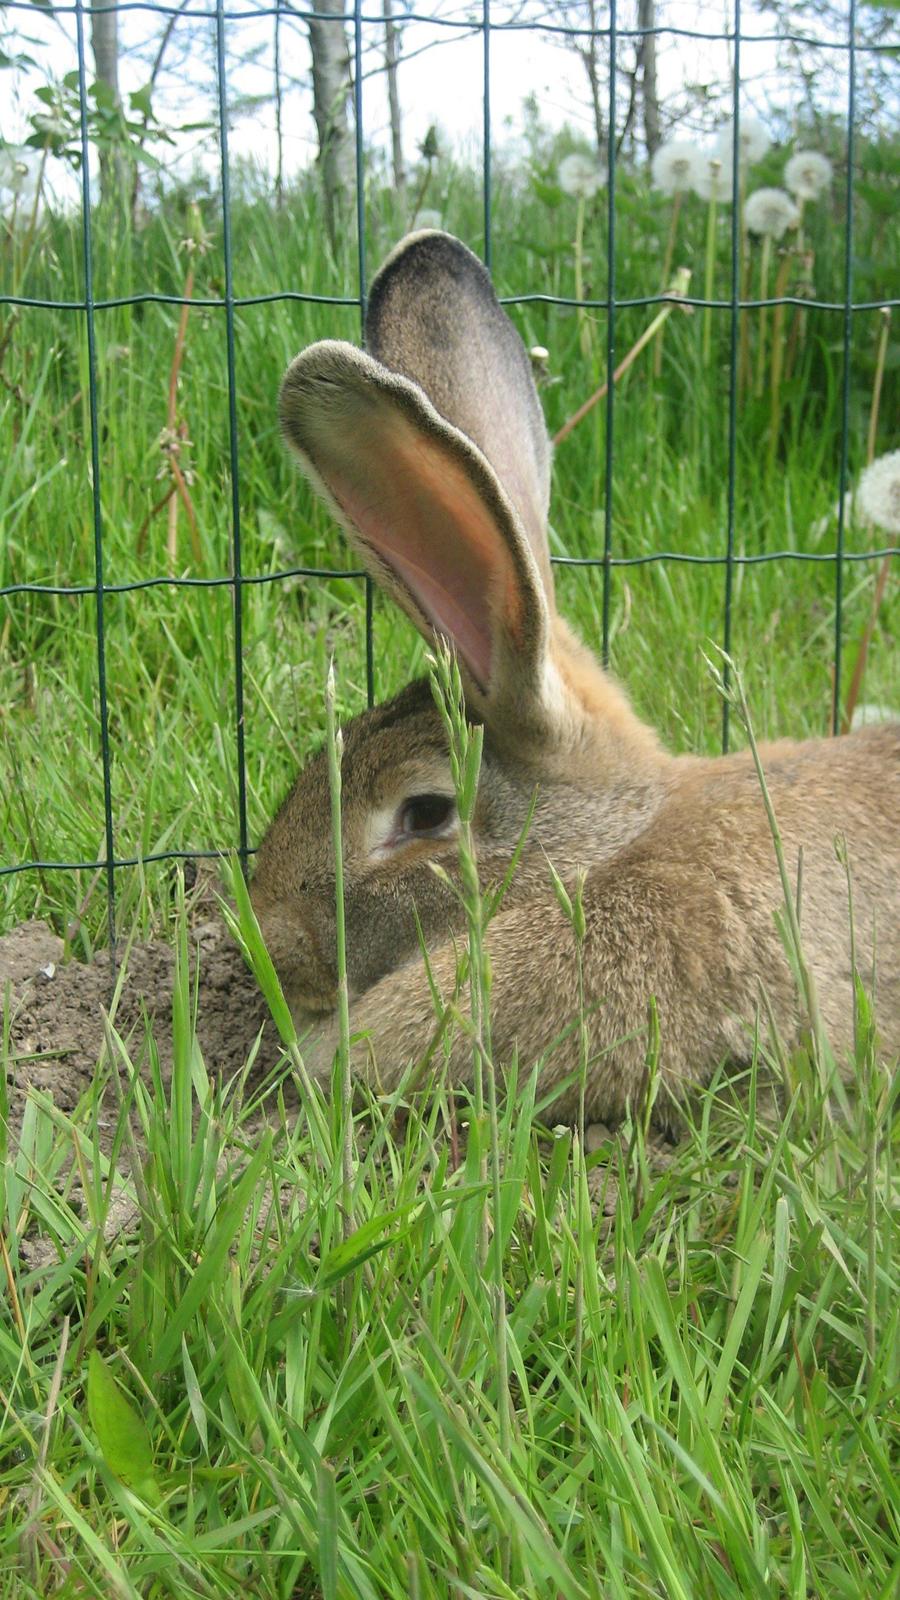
[{"x": 110, "y": 862}]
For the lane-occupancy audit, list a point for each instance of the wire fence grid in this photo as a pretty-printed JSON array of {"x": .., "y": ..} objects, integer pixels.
[{"x": 237, "y": 580}]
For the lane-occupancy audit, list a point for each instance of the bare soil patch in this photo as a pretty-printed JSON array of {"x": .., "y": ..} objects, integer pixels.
[{"x": 56, "y": 1010}]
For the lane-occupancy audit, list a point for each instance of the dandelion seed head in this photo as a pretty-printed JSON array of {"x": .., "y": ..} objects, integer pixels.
[
  {"x": 580, "y": 175},
  {"x": 427, "y": 219},
  {"x": 19, "y": 170},
  {"x": 878, "y": 495},
  {"x": 753, "y": 141},
  {"x": 770, "y": 211},
  {"x": 712, "y": 181},
  {"x": 807, "y": 174},
  {"x": 675, "y": 165}
]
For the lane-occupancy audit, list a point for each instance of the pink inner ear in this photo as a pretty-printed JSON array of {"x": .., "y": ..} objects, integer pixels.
[{"x": 414, "y": 506}]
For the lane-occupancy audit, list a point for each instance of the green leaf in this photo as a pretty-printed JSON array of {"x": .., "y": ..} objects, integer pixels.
[
  {"x": 550, "y": 194},
  {"x": 16, "y": 61},
  {"x": 121, "y": 1433},
  {"x": 194, "y": 1395},
  {"x": 104, "y": 95},
  {"x": 211, "y": 1266},
  {"x": 139, "y": 100},
  {"x": 327, "y": 1518},
  {"x": 365, "y": 1242}
]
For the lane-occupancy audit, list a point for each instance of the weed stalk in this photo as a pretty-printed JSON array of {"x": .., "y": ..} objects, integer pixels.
[
  {"x": 677, "y": 292},
  {"x": 335, "y": 745},
  {"x": 465, "y": 743}
]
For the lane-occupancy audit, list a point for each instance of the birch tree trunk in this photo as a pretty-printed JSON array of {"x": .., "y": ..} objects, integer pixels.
[
  {"x": 391, "y": 61},
  {"x": 105, "y": 45},
  {"x": 592, "y": 68},
  {"x": 649, "y": 94},
  {"x": 331, "y": 101}
]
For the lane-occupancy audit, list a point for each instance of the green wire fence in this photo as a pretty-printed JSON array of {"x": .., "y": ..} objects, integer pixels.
[{"x": 237, "y": 580}]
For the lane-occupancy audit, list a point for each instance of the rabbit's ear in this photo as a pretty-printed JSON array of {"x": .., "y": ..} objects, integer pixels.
[
  {"x": 434, "y": 317},
  {"x": 427, "y": 515}
]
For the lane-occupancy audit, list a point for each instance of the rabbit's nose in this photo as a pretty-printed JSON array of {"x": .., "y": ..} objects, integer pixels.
[{"x": 301, "y": 950}]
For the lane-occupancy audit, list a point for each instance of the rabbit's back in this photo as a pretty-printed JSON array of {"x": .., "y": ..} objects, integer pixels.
[{"x": 687, "y": 913}]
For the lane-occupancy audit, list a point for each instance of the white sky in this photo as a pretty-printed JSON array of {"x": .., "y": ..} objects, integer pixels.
[{"x": 440, "y": 82}]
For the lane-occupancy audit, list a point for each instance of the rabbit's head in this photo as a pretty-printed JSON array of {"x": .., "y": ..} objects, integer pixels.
[{"x": 431, "y": 449}]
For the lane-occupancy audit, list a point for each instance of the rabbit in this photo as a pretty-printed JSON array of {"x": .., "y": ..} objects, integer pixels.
[{"x": 431, "y": 450}]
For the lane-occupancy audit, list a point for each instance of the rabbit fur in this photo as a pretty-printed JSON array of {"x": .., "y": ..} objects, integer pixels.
[{"x": 432, "y": 451}]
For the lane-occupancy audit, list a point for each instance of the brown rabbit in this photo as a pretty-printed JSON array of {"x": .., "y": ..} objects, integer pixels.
[{"x": 431, "y": 450}]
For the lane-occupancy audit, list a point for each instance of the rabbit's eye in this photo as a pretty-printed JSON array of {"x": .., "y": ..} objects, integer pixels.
[{"x": 424, "y": 814}]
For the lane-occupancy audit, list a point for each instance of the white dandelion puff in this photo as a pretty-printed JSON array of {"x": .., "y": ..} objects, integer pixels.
[
  {"x": 20, "y": 168},
  {"x": 878, "y": 493},
  {"x": 580, "y": 175},
  {"x": 712, "y": 181},
  {"x": 753, "y": 142},
  {"x": 808, "y": 174},
  {"x": 770, "y": 211},
  {"x": 427, "y": 219},
  {"x": 675, "y": 165}
]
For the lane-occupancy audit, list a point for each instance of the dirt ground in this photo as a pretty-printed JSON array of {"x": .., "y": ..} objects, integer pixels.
[{"x": 56, "y": 1010}]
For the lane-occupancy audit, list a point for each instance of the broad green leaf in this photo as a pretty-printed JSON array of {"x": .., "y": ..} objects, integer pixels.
[
  {"x": 121, "y": 1432},
  {"x": 139, "y": 100}
]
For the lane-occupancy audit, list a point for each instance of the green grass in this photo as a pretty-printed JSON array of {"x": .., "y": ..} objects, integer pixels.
[{"x": 702, "y": 1384}]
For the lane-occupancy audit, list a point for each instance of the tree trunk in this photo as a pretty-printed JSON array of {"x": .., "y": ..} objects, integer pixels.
[
  {"x": 592, "y": 68},
  {"x": 647, "y": 19},
  {"x": 279, "y": 121},
  {"x": 331, "y": 97},
  {"x": 391, "y": 61},
  {"x": 105, "y": 45}
]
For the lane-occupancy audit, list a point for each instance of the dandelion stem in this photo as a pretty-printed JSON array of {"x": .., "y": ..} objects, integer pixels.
[
  {"x": 709, "y": 279},
  {"x": 673, "y": 231},
  {"x": 667, "y": 270},
  {"x": 777, "y": 357},
  {"x": 801, "y": 202},
  {"x": 862, "y": 651},
  {"x": 798, "y": 325},
  {"x": 584, "y": 331},
  {"x": 744, "y": 328},
  {"x": 765, "y": 258}
]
